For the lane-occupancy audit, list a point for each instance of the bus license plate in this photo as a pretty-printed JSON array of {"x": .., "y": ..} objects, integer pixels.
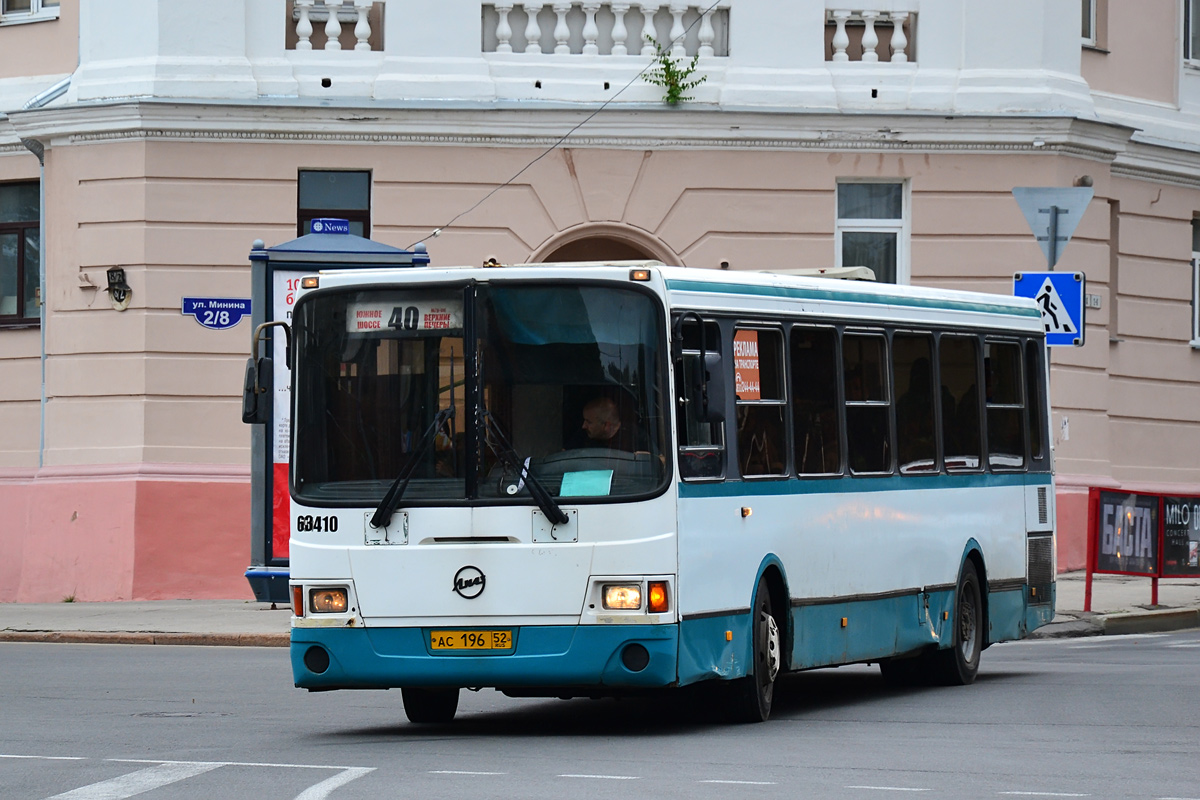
[{"x": 470, "y": 640}]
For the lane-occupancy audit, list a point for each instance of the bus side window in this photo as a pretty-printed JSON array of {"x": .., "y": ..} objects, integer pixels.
[
  {"x": 815, "y": 401},
  {"x": 1005, "y": 405},
  {"x": 761, "y": 402},
  {"x": 1035, "y": 403},
  {"x": 868, "y": 407},
  {"x": 916, "y": 422},
  {"x": 958, "y": 358},
  {"x": 701, "y": 444}
]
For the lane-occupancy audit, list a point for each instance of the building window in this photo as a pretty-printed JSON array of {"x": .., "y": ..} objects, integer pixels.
[
  {"x": 20, "y": 246},
  {"x": 1089, "y": 22},
  {"x": 872, "y": 229},
  {"x": 1196, "y": 283},
  {"x": 15, "y": 12},
  {"x": 340, "y": 194}
]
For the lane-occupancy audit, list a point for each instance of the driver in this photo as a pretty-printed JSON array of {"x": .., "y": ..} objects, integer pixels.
[{"x": 601, "y": 422}]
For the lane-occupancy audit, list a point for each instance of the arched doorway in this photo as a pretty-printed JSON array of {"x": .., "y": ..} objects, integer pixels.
[
  {"x": 604, "y": 242},
  {"x": 598, "y": 249}
]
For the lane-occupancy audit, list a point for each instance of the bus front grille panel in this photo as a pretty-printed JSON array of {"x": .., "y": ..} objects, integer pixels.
[{"x": 1039, "y": 569}]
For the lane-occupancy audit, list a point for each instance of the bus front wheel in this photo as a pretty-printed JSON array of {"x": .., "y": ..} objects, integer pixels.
[
  {"x": 430, "y": 705},
  {"x": 959, "y": 664},
  {"x": 750, "y": 697}
]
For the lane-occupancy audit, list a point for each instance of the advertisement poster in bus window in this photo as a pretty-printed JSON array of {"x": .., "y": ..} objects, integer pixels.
[
  {"x": 745, "y": 366},
  {"x": 1127, "y": 535},
  {"x": 283, "y": 287},
  {"x": 1181, "y": 537}
]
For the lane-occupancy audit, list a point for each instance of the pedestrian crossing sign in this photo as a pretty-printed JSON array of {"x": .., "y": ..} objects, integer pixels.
[{"x": 1060, "y": 297}]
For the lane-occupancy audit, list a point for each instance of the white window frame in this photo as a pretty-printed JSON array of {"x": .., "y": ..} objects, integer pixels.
[
  {"x": 902, "y": 227},
  {"x": 1089, "y": 9},
  {"x": 39, "y": 11},
  {"x": 1190, "y": 22},
  {"x": 1195, "y": 301}
]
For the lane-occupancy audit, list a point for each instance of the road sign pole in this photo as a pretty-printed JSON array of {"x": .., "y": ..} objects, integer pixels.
[{"x": 1052, "y": 252}]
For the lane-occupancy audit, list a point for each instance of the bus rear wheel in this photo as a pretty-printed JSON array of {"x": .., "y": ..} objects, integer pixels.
[
  {"x": 958, "y": 665},
  {"x": 430, "y": 705},
  {"x": 750, "y": 697}
]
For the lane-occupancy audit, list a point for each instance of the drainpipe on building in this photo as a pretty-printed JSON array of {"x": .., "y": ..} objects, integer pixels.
[{"x": 39, "y": 150}]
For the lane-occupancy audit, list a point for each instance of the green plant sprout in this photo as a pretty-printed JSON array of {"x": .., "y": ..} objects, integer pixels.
[{"x": 672, "y": 76}]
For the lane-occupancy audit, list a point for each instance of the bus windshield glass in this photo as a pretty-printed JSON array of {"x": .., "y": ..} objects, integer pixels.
[{"x": 556, "y": 385}]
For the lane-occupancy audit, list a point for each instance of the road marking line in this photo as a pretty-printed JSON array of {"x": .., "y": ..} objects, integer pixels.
[
  {"x": 890, "y": 788},
  {"x": 138, "y": 782},
  {"x": 743, "y": 783},
  {"x": 461, "y": 772},
  {"x": 231, "y": 763},
  {"x": 605, "y": 777},
  {"x": 319, "y": 791},
  {"x": 1047, "y": 794},
  {"x": 49, "y": 758}
]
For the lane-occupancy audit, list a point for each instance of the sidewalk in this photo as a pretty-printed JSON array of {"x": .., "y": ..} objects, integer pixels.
[{"x": 1120, "y": 604}]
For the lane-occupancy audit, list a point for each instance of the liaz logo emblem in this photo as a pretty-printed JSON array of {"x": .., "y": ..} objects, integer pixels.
[{"x": 469, "y": 582}]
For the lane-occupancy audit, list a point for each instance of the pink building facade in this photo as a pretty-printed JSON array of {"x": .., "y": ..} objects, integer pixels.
[{"x": 164, "y": 138}]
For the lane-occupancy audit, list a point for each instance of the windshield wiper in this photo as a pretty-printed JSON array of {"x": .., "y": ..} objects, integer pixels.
[
  {"x": 383, "y": 514},
  {"x": 505, "y": 452}
]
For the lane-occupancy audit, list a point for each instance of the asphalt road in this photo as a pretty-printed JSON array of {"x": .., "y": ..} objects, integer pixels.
[{"x": 1103, "y": 717}]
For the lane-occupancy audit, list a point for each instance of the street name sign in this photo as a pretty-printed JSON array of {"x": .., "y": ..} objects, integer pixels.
[{"x": 217, "y": 313}]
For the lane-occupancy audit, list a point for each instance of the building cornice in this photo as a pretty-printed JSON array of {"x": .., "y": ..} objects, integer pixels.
[{"x": 523, "y": 125}]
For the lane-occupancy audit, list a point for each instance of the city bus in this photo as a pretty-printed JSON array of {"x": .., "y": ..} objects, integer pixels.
[{"x": 566, "y": 480}]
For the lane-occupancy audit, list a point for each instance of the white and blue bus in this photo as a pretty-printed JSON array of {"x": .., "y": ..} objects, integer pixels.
[{"x": 582, "y": 480}]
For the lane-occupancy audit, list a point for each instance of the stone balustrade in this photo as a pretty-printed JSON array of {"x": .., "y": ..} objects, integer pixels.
[
  {"x": 335, "y": 24},
  {"x": 610, "y": 28},
  {"x": 854, "y": 34}
]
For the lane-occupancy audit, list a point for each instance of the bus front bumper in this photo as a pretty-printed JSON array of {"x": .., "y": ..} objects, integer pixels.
[{"x": 602, "y": 657}]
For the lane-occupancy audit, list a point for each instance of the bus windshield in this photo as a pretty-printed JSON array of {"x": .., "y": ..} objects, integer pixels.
[{"x": 558, "y": 385}]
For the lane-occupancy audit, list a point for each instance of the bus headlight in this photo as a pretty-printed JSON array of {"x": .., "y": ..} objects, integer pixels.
[
  {"x": 626, "y": 596},
  {"x": 327, "y": 601}
]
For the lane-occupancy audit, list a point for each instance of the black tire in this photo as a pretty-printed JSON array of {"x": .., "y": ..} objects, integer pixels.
[
  {"x": 430, "y": 705},
  {"x": 750, "y": 697},
  {"x": 959, "y": 664}
]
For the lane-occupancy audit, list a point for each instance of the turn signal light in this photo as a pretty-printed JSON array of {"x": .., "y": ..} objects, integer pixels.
[
  {"x": 310, "y": 282},
  {"x": 327, "y": 601},
  {"x": 298, "y": 601},
  {"x": 657, "y": 596},
  {"x": 627, "y": 597},
  {"x": 639, "y": 274}
]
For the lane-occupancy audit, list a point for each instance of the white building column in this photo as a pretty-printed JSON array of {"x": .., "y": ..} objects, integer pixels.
[
  {"x": 137, "y": 48},
  {"x": 432, "y": 51},
  {"x": 266, "y": 41}
]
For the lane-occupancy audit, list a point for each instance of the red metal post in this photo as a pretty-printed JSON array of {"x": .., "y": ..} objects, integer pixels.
[{"x": 1092, "y": 527}]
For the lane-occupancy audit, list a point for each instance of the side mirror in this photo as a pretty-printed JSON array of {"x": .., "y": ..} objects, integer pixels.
[
  {"x": 712, "y": 389},
  {"x": 256, "y": 392}
]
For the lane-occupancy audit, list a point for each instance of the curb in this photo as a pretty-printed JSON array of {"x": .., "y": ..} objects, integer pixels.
[
  {"x": 1173, "y": 619},
  {"x": 1080, "y": 623},
  {"x": 121, "y": 637}
]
